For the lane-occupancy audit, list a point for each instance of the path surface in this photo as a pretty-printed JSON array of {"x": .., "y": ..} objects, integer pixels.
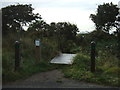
[
  {"x": 50, "y": 79},
  {"x": 63, "y": 59}
]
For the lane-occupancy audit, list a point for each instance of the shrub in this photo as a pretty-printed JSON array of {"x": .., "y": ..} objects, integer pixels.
[
  {"x": 49, "y": 49},
  {"x": 114, "y": 71},
  {"x": 79, "y": 69},
  {"x": 106, "y": 73},
  {"x": 82, "y": 61},
  {"x": 28, "y": 64},
  {"x": 8, "y": 60}
]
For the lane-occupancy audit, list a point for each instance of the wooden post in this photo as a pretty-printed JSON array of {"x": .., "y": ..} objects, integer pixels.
[
  {"x": 37, "y": 51},
  {"x": 93, "y": 56},
  {"x": 17, "y": 55}
]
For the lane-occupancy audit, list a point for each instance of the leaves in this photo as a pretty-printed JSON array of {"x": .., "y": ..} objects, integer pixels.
[
  {"x": 15, "y": 15},
  {"x": 105, "y": 17},
  {"x": 65, "y": 33}
]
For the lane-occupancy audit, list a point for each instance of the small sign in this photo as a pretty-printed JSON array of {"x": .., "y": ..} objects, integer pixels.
[{"x": 37, "y": 42}]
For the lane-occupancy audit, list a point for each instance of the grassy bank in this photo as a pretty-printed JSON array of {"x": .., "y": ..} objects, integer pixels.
[
  {"x": 106, "y": 71},
  {"x": 28, "y": 64}
]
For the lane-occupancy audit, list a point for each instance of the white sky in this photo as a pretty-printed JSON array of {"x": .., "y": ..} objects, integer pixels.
[{"x": 73, "y": 11}]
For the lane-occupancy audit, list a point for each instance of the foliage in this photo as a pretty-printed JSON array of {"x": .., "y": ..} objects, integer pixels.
[
  {"x": 65, "y": 33},
  {"x": 49, "y": 47},
  {"x": 80, "y": 66},
  {"x": 28, "y": 68},
  {"x": 76, "y": 49},
  {"x": 28, "y": 64},
  {"x": 104, "y": 41},
  {"x": 105, "y": 17},
  {"x": 56, "y": 37},
  {"x": 67, "y": 30},
  {"x": 39, "y": 29},
  {"x": 107, "y": 70},
  {"x": 13, "y": 17}
]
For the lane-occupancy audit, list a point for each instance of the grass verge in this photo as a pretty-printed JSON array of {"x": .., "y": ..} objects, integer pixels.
[
  {"x": 27, "y": 69},
  {"x": 80, "y": 70}
]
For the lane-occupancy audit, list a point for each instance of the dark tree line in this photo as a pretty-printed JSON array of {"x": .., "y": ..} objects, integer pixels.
[
  {"x": 64, "y": 32},
  {"x": 16, "y": 16}
]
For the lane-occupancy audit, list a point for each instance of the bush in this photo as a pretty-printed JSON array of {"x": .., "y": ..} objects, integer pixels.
[
  {"x": 114, "y": 71},
  {"x": 10, "y": 75},
  {"x": 67, "y": 46},
  {"x": 76, "y": 49},
  {"x": 49, "y": 49},
  {"x": 8, "y": 60},
  {"x": 28, "y": 64},
  {"x": 80, "y": 68},
  {"x": 106, "y": 73},
  {"x": 82, "y": 61}
]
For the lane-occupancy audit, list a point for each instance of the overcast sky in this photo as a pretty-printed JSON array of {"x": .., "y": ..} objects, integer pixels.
[{"x": 73, "y": 11}]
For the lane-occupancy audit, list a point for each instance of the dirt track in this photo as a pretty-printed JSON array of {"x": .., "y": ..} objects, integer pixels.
[{"x": 50, "y": 79}]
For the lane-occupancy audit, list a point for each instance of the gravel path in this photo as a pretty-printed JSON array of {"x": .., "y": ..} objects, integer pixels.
[{"x": 50, "y": 79}]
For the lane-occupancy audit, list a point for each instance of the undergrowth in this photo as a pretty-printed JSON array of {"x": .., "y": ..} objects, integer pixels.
[
  {"x": 28, "y": 63},
  {"x": 106, "y": 71}
]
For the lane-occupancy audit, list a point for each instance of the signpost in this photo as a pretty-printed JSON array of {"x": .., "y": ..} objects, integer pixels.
[
  {"x": 93, "y": 56},
  {"x": 17, "y": 55},
  {"x": 37, "y": 50},
  {"x": 37, "y": 43}
]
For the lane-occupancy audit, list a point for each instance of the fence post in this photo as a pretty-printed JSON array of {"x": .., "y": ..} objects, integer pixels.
[
  {"x": 93, "y": 45},
  {"x": 17, "y": 55},
  {"x": 37, "y": 50}
]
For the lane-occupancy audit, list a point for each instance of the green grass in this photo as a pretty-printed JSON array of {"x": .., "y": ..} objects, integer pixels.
[
  {"x": 27, "y": 69},
  {"x": 107, "y": 70},
  {"x": 80, "y": 70},
  {"x": 28, "y": 65}
]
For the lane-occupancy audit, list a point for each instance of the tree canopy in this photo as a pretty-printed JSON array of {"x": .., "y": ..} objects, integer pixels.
[
  {"x": 105, "y": 16},
  {"x": 64, "y": 29},
  {"x": 68, "y": 30},
  {"x": 64, "y": 32},
  {"x": 14, "y": 15}
]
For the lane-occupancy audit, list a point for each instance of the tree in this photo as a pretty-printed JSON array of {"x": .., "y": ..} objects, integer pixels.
[
  {"x": 39, "y": 29},
  {"x": 52, "y": 29},
  {"x": 66, "y": 34},
  {"x": 67, "y": 30},
  {"x": 15, "y": 15},
  {"x": 105, "y": 17},
  {"x": 62, "y": 32}
]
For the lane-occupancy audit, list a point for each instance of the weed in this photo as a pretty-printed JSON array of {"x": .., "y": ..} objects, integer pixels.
[{"x": 80, "y": 70}]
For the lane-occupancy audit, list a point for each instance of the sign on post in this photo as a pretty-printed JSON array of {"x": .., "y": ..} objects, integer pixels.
[
  {"x": 37, "y": 50},
  {"x": 37, "y": 43}
]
